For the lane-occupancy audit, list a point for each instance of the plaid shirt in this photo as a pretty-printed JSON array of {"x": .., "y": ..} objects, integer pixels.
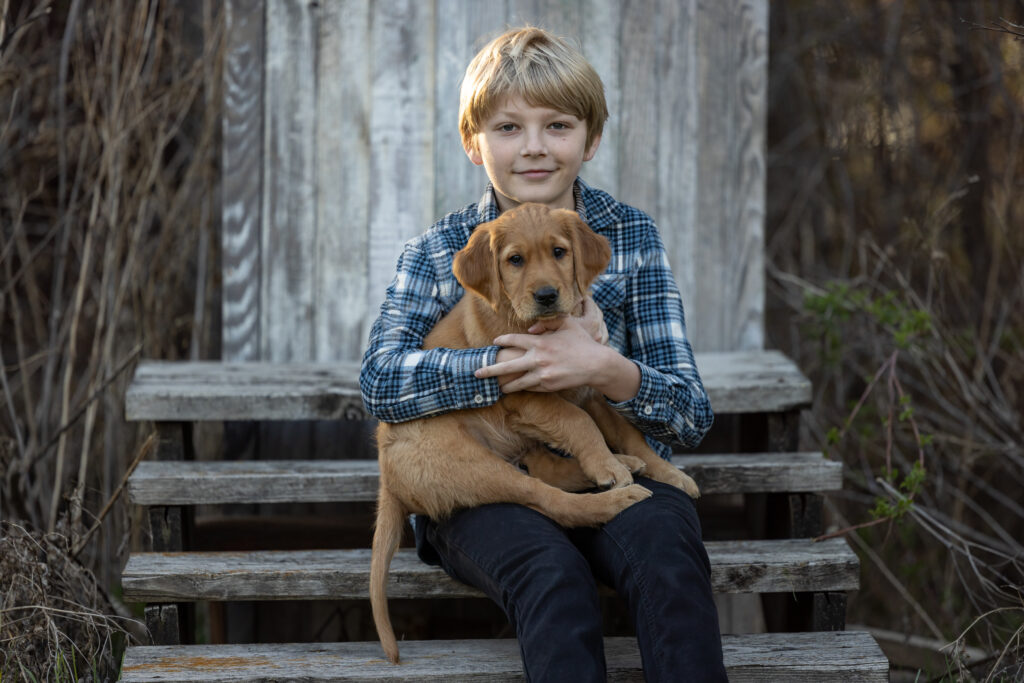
[{"x": 637, "y": 295}]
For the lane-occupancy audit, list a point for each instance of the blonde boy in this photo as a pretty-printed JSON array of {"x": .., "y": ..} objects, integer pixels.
[{"x": 532, "y": 112}]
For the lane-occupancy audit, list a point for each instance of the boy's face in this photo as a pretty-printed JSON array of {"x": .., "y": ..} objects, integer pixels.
[{"x": 532, "y": 154}]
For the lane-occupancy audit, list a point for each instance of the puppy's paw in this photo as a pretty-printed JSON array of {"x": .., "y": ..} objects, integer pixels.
[
  {"x": 625, "y": 497},
  {"x": 686, "y": 483},
  {"x": 636, "y": 465},
  {"x": 607, "y": 474}
]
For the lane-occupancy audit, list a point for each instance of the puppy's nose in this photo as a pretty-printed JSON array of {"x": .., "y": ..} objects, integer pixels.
[{"x": 546, "y": 296}]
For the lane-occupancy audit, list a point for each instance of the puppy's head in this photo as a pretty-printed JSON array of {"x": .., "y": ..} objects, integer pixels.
[{"x": 536, "y": 261}]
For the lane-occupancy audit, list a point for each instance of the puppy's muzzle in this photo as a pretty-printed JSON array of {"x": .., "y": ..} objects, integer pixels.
[{"x": 546, "y": 298}]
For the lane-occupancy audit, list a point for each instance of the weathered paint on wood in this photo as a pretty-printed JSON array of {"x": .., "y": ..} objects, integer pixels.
[
  {"x": 736, "y": 382},
  {"x": 341, "y": 143},
  {"x": 313, "y": 481},
  {"x": 783, "y": 566},
  {"x": 843, "y": 657}
]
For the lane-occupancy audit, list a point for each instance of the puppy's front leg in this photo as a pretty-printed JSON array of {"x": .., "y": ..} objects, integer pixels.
[
  {"x": 553, "y": 420},
  {"x": 625, "y": 437},
  {"x": 566, "y": 473}
]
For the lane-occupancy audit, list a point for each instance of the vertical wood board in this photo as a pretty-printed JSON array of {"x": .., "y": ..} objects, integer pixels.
[
  {"x": 289, "y": 230},
  {"x": 241, "y": 166}
]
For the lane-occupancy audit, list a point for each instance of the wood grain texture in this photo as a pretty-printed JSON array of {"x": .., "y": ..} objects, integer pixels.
[
  {"x": 241, "y": 161},
  {"x": 402, "y": 43},
  {"x": 736, "y": 382},
  {"x": 288, "y": 232},
  {"x": 342, "y": 305},
  {"x": 463, "y": 28},
  {"x": 842, "y": 657},
  {"x": 310, "y": 481},
  {"x": 776, "y": 566},
  {"x": 732, "y": 87}
]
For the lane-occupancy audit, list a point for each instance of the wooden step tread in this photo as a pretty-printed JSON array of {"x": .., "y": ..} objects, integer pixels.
[
  {"x": 841, "y": 656},
  {"x": 309, "y": 481},
  {"x": 782, "y": 566},
  {"x": 736, "y": 382}
]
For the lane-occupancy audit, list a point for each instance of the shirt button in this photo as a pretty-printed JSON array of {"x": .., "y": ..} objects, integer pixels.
[
  {"x": 478, "y": 399},
  {"x": 648, "y": 409}
]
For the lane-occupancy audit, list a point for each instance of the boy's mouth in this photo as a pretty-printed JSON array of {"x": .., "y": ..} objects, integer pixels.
[{"x": 535, "y": 173}]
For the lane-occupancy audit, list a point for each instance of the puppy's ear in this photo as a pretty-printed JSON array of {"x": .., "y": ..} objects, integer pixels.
[
  {"x": 474, "y": 265},
  {"x": 591, "y": 252}
]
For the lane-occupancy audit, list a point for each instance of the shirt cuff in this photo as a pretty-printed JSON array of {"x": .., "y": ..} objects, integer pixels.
[
  {"x": 476, "y": 393},
  {"x": 650, "y": 403}
]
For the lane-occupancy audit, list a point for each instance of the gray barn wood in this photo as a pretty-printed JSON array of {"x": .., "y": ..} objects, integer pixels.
[
  {"x": 783, "y": 566},
  {"x": 838, "y": 657},
  {"x": 311, "y": 481}
]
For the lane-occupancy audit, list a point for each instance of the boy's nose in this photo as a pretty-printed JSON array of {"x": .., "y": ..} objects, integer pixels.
[{"x": 533, "y": 145}]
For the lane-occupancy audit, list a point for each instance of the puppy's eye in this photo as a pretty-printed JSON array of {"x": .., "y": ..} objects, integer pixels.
[
  {"x": 559, "y": 252},
  {"x": 515, "y": 260}
]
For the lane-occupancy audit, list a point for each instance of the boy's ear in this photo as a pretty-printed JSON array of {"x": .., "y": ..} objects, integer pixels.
[
  {"x": 473, "y": 151},
  {"x": 590, "y": 251},
  {"x": 474, "y": 265},
  {"x": 592, "y": 150}
]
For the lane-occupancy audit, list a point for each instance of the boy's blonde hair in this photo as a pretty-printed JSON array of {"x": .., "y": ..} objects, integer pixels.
[{"x": 541, "y": 68}]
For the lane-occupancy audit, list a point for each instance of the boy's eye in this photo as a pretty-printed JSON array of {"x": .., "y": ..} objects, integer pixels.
[
  {"x": 507, "y": 128},
  {"x": 559, "y": 125},
  {"x": 515, "y": 260},
  {"x": 559, "y": 252}
]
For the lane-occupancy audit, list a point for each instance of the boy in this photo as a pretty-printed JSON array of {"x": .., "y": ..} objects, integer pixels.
[{"x": 531, "y": 112}]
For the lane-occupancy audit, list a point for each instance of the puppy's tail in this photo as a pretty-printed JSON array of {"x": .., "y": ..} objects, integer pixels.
[{"x": 386, "y": 537}]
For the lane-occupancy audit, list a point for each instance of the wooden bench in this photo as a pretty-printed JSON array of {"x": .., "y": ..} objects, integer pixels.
[{"x": 170, "y": 576}]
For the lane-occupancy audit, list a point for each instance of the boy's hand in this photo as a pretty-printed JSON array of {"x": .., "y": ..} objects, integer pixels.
[
  {"x": 560, "y": 354},
  {"x": 564, "y": 353}
]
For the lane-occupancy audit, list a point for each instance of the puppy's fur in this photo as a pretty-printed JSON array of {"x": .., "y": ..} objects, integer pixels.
[{"x": 530, "y": 264}]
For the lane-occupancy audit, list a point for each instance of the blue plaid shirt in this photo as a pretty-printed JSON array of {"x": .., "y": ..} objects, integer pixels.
[{"x": 637, "y": 295}]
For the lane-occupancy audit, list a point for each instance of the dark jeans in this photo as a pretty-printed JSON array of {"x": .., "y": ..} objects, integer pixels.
[{"x": 543, "y": 576}]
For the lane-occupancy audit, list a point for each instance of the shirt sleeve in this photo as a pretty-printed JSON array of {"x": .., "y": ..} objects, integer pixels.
[
  {"x": 399, "y": 380},
  {"x": 671, "y": 405}
]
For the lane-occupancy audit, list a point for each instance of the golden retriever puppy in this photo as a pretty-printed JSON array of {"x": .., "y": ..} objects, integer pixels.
[{"x": 530, "y": 264}]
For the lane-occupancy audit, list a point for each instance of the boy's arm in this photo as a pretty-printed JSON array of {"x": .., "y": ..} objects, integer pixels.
[
  {"x": 671, "y": 404},
  {"x": 399, "y": 380}
]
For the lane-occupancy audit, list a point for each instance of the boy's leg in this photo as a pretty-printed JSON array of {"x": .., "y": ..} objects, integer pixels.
[
  {"x": 525, "y": 563},
  {"x": 653, "y": 555}
]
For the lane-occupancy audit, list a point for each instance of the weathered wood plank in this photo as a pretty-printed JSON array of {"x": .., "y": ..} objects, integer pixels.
[
  {"x": 241, "y": 161},
  {"x": 464, "y": 28},
  {"x": 310, "y": 481},
  {"x": 732, "y": 54},
  {"x": 737, "y": 382},
  {"x": 342, "y": 303},
  {"x": 602, "y": 43},
  {"x": 842, "y": 656},
  {"x": 678, "y": 142},
  {"x": 402, "y": 40},
  {"x": 784, "y": 566},
  {"x": 288, "y": 232}
]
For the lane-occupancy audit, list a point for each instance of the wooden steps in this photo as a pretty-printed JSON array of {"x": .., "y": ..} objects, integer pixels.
[
  {"x": 776, "y": 566},
  {"x": 814, "y": 657},
  {"x": 312, "y": 481},
  {"x": 173, "y": 394}
]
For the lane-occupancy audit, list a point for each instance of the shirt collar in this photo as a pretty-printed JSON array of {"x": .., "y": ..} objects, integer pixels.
[{"x": 487, "y": 207}]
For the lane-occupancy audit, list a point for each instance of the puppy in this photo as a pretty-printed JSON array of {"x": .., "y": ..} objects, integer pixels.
[{"x": 532, "y": 263}]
